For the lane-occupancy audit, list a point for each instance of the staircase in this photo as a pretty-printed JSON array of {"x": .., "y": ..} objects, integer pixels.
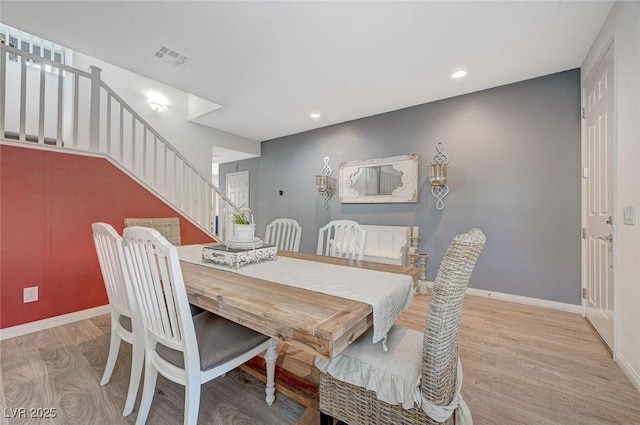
[{"x": 67, "y": 109}]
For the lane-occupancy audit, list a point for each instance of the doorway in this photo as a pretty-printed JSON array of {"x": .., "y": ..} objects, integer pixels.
[
  {"x": 237, "y": 190},
  {"x": 597, "y": 204}
]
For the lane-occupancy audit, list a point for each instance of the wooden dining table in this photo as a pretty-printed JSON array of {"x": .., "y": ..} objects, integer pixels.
[{"x": 318, "y": 323}]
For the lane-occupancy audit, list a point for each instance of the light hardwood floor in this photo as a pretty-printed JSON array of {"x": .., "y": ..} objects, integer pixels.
[
  {"x": 529, "y": 366},
  {"x": 523, "y": 365},
  {"x": 61, "y": 368}
]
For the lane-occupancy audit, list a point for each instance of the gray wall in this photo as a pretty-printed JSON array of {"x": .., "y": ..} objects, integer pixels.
[{"x": 514, "y": 172}]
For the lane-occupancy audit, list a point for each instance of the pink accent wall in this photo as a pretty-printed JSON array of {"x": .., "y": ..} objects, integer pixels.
[{"x": 48, "y": 201}]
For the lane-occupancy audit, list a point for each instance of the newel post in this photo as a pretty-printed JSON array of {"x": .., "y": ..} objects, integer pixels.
[{"x": 94, "y": 123}]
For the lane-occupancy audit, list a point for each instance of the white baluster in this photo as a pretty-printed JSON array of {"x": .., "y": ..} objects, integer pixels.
[{"x": 94, "y": 119}]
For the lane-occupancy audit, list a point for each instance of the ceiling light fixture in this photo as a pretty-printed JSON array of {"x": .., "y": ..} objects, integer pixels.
[
  {"x": 459, "y": 74},
  {"x": 156, "y": 106},
  {"x": 314, "y": 116},
  {"x": 157, "y": 101}
]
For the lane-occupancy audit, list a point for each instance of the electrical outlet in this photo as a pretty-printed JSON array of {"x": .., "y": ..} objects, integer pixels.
[{"x": 30, "y": 294}]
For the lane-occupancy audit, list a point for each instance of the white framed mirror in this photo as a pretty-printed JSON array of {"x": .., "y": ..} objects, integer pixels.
[{"x": 376, "y": 181}]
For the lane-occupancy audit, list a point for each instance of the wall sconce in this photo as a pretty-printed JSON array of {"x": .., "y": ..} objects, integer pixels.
[
  {"x": 438, "y": 176},
  {"x": 325, "y": 184},
  {"x": 156, "y": 106}
]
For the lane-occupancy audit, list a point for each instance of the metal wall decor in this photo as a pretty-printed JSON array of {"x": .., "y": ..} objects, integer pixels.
[
  {"x": 438, "y": 176},
  {"x": 324, "y": 183}
]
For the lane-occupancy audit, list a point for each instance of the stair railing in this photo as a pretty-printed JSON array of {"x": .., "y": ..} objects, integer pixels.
[{"x": 73, "y": 109}]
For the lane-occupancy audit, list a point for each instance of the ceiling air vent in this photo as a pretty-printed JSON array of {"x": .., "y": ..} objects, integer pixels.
[{"x": 170, "y": 55}]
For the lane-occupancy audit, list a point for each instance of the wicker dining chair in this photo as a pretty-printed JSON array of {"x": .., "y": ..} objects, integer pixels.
[
  {"x": 169, "y": 227},
  {"x": 418, "y": 379}
]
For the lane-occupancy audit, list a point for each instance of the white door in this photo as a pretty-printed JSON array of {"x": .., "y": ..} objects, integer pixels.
[
  {"x": 598, "y": 202},
  {"x": 237, "y": 190}
]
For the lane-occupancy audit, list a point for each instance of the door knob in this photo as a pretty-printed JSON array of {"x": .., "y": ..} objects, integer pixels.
[{"x": 608, "y": 238}]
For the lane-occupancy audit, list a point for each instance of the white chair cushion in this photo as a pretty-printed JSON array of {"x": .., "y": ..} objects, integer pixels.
[{"x": 394, "y": 374}]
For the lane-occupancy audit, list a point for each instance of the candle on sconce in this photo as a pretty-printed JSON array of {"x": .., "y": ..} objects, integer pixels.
[{"x": 415, "y": 232}]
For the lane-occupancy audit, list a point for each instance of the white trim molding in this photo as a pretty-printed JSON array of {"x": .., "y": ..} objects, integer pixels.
[
  {"x": 519, "y": 299},
  {"x": 51, "y": 322},
  {"x": 628, "y": 370},
  {"x": 112, "y": 161},
  {"x": 534, "y": 302}
]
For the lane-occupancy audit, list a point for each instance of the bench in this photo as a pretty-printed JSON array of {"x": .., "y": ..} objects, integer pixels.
[{"x": 387, "y": 244}]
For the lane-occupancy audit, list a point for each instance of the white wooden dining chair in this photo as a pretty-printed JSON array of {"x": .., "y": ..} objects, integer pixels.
[
  {"x": 188, "y": 351},
  {"x": 342, "y": 238},
  {"x": 284, "y": 233},
  {"x": 125, "y": 323}
]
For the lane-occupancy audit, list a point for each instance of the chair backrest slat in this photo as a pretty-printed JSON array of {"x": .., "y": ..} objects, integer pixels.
[
  {"x": 158, "y": 287},
  {"x": 108, "y": 245},
  {"x": 440, "y": 345},
  {"x": 284, "y": 233},
  {"x": 342, "y": 238}
]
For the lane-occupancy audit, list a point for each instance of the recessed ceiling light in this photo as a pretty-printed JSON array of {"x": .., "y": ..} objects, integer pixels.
[
  {"x": 314, "y": 115},
  {"x": 459, "y": 74}
]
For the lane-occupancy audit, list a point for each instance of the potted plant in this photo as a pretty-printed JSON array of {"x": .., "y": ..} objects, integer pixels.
[{"x": 243, "y": 229}]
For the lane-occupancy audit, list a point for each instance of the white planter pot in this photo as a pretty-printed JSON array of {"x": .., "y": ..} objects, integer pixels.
[{"x": 243, "y": 232}]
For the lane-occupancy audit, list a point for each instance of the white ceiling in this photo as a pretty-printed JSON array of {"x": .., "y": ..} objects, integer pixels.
[{"x": 269, "y": 64}]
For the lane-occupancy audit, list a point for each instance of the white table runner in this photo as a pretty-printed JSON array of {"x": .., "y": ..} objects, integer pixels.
[{"x": 388, "y": 293}]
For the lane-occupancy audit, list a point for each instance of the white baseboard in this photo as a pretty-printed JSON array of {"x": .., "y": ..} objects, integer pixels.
[
  {"x": 628, "y": 370},
  {"x": 519, "y": 299},
  {"x": 51, "y": 322}
]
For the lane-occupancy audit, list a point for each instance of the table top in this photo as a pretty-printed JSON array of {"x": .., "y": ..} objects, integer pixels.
[{"x": 318, "y": 323}]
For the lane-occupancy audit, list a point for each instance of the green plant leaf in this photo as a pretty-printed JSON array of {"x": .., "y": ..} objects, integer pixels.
[{"x": 239, "y": 218}]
